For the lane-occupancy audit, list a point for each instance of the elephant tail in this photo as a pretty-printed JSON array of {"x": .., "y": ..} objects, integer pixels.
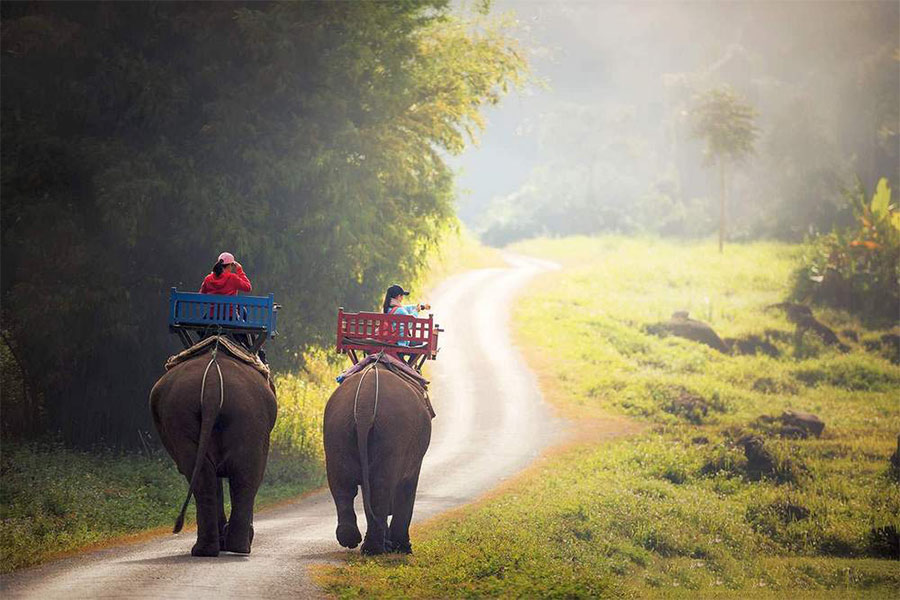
[
  {"x": 209, "y": 411},
  {"x": 363, "y": 427}
]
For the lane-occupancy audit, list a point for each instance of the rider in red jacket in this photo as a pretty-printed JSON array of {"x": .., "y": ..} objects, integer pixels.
[{"x": 227, "y": 277}]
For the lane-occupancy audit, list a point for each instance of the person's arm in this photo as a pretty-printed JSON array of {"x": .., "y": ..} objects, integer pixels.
[
  {"x": 414, "y": 309},
  {"x": 241, "y": 281}
]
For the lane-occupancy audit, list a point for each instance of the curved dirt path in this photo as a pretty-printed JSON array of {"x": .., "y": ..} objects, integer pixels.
[{"x": 491, "y": 422}]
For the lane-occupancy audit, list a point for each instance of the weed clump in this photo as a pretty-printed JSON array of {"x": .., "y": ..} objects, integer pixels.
[
  {"x": 689, "y": 405},
  {"x": 884, "y": 542}
]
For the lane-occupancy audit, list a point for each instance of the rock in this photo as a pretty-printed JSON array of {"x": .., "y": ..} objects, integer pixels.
[
  {"x": 760, "y": 461},
  {"x": 680, "y": 325},
  {"x": 793, "y": 432},
  {"x": 808, "y": 422}
]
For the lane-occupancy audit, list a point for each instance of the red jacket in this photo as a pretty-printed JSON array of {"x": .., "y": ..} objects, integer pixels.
[{"x": 229, "y": 284}]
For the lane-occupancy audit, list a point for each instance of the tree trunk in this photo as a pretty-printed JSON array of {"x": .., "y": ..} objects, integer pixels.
[{"x": 721, "y": 204}]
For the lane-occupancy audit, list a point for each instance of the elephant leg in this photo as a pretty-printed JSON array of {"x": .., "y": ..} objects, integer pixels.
[
  {"x": 207, "y": 511},
  {"x": 243, "y": 485},
  {"x": 343, "y": 490},
  {"x": 376, "y": 527},
  {"x": 404, "y": 499},
  {"x": 223, "y": 520}
]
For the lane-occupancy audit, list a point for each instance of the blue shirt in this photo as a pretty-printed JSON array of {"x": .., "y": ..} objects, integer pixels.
[{"x": 410, "y": 310}]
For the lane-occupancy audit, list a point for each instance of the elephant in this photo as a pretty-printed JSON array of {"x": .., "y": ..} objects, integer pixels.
[
  {"x": 377, "y": 428},
  {"x": 224, "y": 433}
]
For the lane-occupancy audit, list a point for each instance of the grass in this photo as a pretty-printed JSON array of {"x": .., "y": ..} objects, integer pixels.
[
  {"x": 676, "y": 510},
  {"x": 56, "y": 500}
]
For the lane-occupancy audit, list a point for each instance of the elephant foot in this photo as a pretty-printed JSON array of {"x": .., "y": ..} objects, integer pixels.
[
  {"x": 238, "y": 544},
  {"x": 398, "y": 547},
  {"x": 348, "y": 536},
  {"x": 205, "y": 549},
  {"x": 371, "y": 548}
]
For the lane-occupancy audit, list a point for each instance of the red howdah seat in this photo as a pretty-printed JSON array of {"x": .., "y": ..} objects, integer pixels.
[{"x": 370, "y": 332}]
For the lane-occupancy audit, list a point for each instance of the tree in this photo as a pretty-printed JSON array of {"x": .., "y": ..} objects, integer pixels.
[
  {"x": 725, "y": 122},
  {"x": 141, "y": 139}
]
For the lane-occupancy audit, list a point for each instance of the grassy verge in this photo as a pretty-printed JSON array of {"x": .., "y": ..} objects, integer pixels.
[
  {"x": 676, "y": 510},
  {"x": 55, "y": 500}
]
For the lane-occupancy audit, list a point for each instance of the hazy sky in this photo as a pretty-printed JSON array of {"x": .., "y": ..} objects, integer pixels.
[{"x": 610, "y": 68}]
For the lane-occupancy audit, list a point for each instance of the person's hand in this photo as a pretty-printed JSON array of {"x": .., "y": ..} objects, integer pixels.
[
  {"x": 238, "y": 266},
  {"x": 424, "y": 307}
]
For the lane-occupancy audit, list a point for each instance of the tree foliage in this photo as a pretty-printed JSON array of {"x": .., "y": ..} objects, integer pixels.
[
  {"x": 141, "y": 139},
  {"x": 726, "y": 123}
]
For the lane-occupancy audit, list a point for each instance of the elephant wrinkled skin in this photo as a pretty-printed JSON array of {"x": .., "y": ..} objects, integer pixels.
[
  {"x": 209, "y": 442},
  {"x": 381, "y": 450}
]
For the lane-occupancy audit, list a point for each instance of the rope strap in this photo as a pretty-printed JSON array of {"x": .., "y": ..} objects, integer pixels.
[
  {"x": 219, "y": 370},
  {"x": 358, "y": 387}
]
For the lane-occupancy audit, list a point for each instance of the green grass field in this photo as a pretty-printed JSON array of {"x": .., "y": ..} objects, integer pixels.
[{"x": 676, "y": 510}]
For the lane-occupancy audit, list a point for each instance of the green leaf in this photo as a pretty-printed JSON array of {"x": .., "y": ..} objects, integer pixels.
[{"x": 881, "y": 200}]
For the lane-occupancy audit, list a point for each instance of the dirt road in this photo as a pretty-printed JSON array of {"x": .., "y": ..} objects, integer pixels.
[{"x": 491, "y": 422}]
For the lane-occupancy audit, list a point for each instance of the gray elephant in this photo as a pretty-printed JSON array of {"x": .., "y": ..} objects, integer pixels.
[
  {"x": 223, "y": 434},
  {"x": 376, "y": 431}
]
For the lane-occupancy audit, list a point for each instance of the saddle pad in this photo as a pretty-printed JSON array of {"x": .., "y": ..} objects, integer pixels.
[{"x": 225, "y": 344}]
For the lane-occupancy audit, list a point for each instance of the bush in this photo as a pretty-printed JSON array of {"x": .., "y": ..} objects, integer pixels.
[{"x": 857, "y": 269}]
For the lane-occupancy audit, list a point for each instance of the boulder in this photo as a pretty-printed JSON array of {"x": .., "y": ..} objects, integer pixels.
[
  {"x": 808, "y": 422},
  {"x": 681, "y": 325}
]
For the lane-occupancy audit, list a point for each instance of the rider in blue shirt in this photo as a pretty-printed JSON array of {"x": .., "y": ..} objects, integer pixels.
[{"x": 393, "y": 305}]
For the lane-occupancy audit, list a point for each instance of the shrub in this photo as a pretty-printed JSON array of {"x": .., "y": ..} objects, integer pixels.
[{"x": 858, "y": 268}]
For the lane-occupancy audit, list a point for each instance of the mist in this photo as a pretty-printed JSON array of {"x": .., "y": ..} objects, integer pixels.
[{"x": 600, "y": 141}]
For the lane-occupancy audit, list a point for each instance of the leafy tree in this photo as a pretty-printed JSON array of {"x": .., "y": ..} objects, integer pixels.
[
  {"x": 141, "y": 139},
  {"x": 726, "y": 123}
]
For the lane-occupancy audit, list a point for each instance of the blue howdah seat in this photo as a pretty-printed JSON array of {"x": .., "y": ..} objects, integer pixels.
[{"x": 202, "y": 315}]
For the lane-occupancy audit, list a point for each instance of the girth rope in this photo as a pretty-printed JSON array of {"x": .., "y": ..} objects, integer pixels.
[
  {"x": 359, "y": 386},
  {"x": 221, "y": 382}
]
